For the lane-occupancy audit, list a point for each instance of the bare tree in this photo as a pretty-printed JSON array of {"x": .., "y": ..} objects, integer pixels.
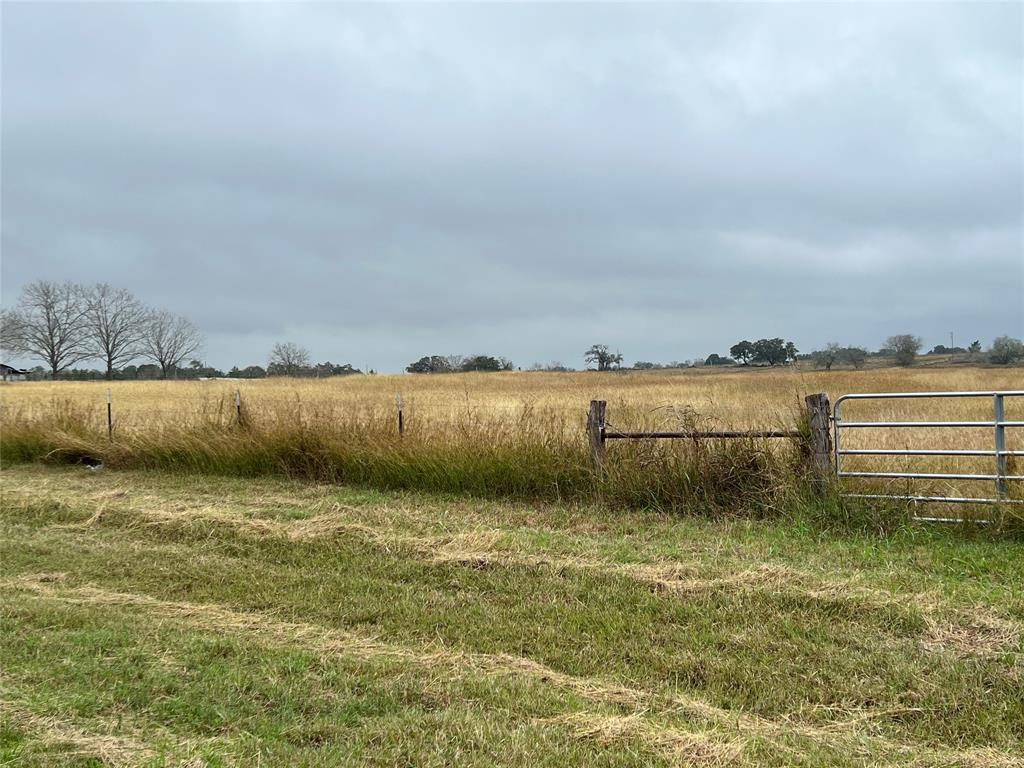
[
  {"x": 456, "y": 362},
  {"x": 49, "y": 324},
  {"x": 287, "y": 358},
  {"x": 10, "y": 331},
  {"x": 168, "y": 339},
  {"x": 116, "y": 323}
]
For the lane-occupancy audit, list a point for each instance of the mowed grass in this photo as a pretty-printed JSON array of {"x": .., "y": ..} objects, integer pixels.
[
  {"x": 154, "y": 618},
  {"x": 512, "y": 435}
]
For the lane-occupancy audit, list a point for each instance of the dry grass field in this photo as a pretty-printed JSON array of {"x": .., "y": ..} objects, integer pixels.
[
  {"x": 504, "y": 433},
  {"x": 754, "y": 398}
]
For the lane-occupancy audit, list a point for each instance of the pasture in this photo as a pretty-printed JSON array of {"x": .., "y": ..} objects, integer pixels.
[
  {"x": 514, "y": 435},
  {"x": 154, "y": 619},
  {"x": 308, "y": 587}
]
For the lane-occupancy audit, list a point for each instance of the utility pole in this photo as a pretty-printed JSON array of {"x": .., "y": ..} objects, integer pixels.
[{"x": 951, "y": 345}]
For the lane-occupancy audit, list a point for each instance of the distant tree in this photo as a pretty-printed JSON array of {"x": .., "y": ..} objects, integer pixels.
[
  {"x": 827, "y": 357},
  {"x": 431, "y": 364},
  {"x": 643, "y": 365},
  {"x": 855, "y": 356},
  {"x": 974, "y": 348},
  {"x": 253, "y": 372},
  {"x": 791, "y": 352},
  {"x": 149, "y": 371},
  {"x": 716, "y": 359},
  {"x": 605, "y": 359},
  {"x": 199, "y": 370},
  {"x": 942, "y": 349},
  {"x": 455, "y": 362},
  {"x": 10, "y": 329},
  {"x": 742, "y": 351},
  {"x": 80, "y": 374},
  {"x": 169, "y": 339},
  {"x": 552, "y": 367},
  {"x": 1006, "y": 350},
  {"x": 904, "y": 347},
  {"x": 481, "y": 363},
  {"x": 49, "y": 324},
  {"x": 770, "y": 351},
  {"x": 323, "y": 370},
  {"x": 287, "y": 359},
  {"x": 115, "y": 325}
]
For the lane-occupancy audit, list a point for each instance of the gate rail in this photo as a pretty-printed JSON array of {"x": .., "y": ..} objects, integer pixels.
[{"x": 999, "y": 453}]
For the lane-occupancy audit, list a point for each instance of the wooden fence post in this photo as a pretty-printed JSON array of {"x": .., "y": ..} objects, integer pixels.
[
  {"x": 110, "y": 417},
  {"x": 401, "y": 421},
  {"x": 819, "y": 450},
  {"x": 595, "y": 432}
]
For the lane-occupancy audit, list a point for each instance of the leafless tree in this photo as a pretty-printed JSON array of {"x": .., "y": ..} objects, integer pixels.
[
  {"x": 10, "y": 330},
  {"x": 287, "y": 358},
  {"x": 49, "y": 323},
  {"x": 116, "y": 323},
  {"x": 168, "y": 339},
  {"x": 455, "y": 362}
]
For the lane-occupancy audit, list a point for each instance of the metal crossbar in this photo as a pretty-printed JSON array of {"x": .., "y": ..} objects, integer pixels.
[
  {"x": 609, "y": 434},
  {"x": 999, "y": 453}
]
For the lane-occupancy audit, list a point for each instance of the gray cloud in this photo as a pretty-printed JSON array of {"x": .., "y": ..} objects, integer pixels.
[{"x": 381, "y": 182}]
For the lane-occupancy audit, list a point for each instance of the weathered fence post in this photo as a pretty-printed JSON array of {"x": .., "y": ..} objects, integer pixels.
[
  {"x": 110, "y": 417},
  {"x": 595, "y": 432},
  {"x": 819, "y": 449},
  {"x": 401, "y": 421}
]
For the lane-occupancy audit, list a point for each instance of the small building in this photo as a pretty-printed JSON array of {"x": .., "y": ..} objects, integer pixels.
[{"x": 10, "y": 373}]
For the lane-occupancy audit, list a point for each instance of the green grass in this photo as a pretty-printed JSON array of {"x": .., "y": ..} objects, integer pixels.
[{"x": 152, "y": 619}]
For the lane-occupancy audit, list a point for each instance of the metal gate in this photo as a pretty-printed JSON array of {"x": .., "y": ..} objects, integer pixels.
[{"x": 998, "y": 453}]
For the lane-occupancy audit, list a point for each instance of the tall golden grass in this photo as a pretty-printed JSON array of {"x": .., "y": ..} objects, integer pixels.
[{"x": 514, "y": 433}]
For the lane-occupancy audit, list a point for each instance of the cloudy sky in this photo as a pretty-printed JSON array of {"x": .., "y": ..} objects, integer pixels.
[{"x": 379, "y": 182}]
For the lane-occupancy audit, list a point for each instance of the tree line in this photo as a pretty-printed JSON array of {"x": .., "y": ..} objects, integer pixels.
[
  {"x": 904, "y": 348},
  {"x": 459, "y": 364},
  {"x": 62, "y": 324},
  {"x": 289, "y": 359}
]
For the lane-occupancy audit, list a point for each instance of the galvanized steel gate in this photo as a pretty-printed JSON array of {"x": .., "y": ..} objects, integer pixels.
[{"x": 998, "y": 453}]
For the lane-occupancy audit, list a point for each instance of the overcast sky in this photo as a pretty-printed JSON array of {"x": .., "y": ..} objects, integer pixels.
[{"x": 381, "y": 182}]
